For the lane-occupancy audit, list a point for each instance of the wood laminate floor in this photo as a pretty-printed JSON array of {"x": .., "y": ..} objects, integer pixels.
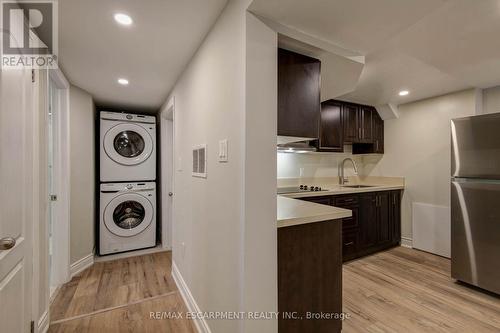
[
  {"x": 118, "y": 296},
  {"x": 399, "y": 290},
  {"x": 405, "y": 290}
]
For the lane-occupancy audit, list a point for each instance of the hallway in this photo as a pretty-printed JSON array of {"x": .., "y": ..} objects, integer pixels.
[{"x": 118, "y": 296}]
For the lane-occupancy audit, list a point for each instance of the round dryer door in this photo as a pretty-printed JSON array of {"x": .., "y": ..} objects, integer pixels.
[
  {"x": 128, "y": 144},
  {"x": 128, "y": 214}
]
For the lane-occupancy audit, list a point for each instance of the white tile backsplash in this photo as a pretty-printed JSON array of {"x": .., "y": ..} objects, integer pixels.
[{"x": 314, "y": 165}]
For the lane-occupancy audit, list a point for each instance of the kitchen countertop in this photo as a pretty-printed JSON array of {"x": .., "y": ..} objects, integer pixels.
[
  {"x": 294, "y": 212},
  {"x": 337, "y": 189}
]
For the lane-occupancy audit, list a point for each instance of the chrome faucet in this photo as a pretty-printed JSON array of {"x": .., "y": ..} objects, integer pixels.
[{"x": 342, "y": 179}]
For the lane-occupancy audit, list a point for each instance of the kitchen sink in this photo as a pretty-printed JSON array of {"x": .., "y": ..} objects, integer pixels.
[{"x": 357, "y": 186}]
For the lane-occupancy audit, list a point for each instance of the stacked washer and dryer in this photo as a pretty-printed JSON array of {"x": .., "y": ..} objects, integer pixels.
[{"x": 127, "y": 218}]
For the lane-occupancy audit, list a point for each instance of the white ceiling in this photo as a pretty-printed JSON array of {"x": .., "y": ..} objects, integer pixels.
[
  {"x": 94, "y": 51},
  {"x": 429, "y": 47}
]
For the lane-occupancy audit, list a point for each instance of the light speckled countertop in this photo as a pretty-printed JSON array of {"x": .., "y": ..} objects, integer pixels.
[
  {"x": 294, "y": 212},
  {"x": 337, "y": 189}
]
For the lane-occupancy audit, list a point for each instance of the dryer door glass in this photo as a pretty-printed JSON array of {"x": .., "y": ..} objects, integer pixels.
[
  {"x": 128, "y": 214},
  {"x": 129, "y": 144}
]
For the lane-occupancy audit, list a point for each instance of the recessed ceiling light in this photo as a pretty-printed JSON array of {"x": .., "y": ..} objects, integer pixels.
[
  {"x": 403, "y": 92},
  {"x": 123, "y": 19},
  {"x": 123, "y": 82}
]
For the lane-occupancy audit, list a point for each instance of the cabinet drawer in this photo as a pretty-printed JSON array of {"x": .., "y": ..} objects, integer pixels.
[
  {"x": 319, "y": 200},
  {"x": 351, "y": 222},
  {"x": 350, "y": 243},
  {"x": 346, "y": 200}
]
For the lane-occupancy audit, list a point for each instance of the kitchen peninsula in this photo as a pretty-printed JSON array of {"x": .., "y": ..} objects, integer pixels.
[{"x": 309, "y": 266}]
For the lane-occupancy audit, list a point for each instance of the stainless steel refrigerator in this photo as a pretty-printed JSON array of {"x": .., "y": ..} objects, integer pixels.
[{"x": 475, "y": 201}]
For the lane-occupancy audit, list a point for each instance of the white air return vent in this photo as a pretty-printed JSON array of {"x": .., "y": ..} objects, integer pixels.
[{"x": 200, "y": 161}]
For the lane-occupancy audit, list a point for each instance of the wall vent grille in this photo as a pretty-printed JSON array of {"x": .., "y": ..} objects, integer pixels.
[{"x": 200, "y": 161}]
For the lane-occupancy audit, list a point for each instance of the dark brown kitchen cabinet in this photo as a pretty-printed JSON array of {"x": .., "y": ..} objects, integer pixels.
[
  {"x": 395, "y": 205},
  {"x": 298, "y": 95},
  {"x": 368, "y": 221},
  {"x": 331, "y": 134},
  {"x": 319, "y": 200},
  {"x": 378, "y": 134},
  {"x": 310, "y": 276},
  {"x": 358, "y": 123},
  {"x": 365, "y": 120},
  {"x": 384, "y": 223},
  {"x": 350, "y": 123},
  {"x": 375, "y": 223}
]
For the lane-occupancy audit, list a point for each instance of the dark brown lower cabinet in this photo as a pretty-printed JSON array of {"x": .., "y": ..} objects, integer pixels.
[
  {"x": 310, "y": 277},
  {"x": 395, "y": 205},
  {"x": 375, "y": 224}
]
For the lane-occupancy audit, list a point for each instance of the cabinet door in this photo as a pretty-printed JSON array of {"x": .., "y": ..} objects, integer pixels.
[
  {"x": 368, "y": 220},
  {"x": 351, "y": 123},
  {"x": 331, "y": 133},
  {"x": 396, "y": 216},
  {"x": 378, "y": 133},
  {"x": 298, "y": 94},
  {"x": 350, "y": 243},
  {"x": 384, "y": 210},
  {"x": 349, "y": 202},
  {"x": 365, "y": 118}
]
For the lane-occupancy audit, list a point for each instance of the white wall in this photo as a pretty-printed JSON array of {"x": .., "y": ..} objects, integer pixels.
[
  {"x": 491, "y": 100},
  {"x": 166, "y": 169},
  {"x": 417, "y": 147},
  {"x": 224, "y": 226},
  {"x": 260, "y": 234},
  {"x": 82, "y": 170},
  {"x": 293, "y": 165}
]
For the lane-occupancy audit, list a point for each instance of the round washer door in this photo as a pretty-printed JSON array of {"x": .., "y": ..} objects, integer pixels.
[
  {"x": 128, "y": 144},
  {"x": 128, "y": 214}
]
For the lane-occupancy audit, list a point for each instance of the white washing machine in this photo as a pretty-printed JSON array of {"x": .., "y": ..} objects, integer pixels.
[
  {"x": 128, "y": 217},
  {"x": 128, "y": 147}
]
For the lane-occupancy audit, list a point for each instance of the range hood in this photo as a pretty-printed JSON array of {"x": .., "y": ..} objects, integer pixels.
[{"x": 291, "y": 144}]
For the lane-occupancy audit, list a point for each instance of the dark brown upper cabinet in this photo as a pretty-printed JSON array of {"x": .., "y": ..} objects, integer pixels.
[
  {"x": 298, "y": 95},
  {"x": 360, "y": 125},
  {"x": 331, "y": 134},
  {"x": 351, "y": 123},
  {"x": 378, "y": 133},
  {"x": 365, "y": 119}
]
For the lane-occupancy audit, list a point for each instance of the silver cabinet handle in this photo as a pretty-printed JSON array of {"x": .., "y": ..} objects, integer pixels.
[
  {"x": 170, "y": 194},
  {"x": 7, "y": 243}
]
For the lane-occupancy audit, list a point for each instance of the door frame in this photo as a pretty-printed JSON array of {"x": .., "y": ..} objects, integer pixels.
[
  {"x": 167, "y": 144},
  {"x": 61, "y": 232}
]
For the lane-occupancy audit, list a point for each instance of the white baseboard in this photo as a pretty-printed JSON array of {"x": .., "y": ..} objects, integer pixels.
[
  {"x": 407, "y": 242},
  {"x": 81, "y": 265},
  {"x": 43, "y": 323},
  {"x": 192, "y": 306},
  {"x": 54, "y": 293},
  {"x": 130, "y": 254}
]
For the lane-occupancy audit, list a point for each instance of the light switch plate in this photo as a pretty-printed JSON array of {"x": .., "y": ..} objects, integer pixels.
[{"x": 223, "y": 151}]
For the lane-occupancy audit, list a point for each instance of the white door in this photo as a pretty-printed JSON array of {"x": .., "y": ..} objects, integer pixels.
[{"x": 16, "y": 199}]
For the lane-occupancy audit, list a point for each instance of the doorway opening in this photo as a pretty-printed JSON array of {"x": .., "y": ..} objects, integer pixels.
[
  {"x": 58, "y": 184},
  {"x": 167, "y": 169}
]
